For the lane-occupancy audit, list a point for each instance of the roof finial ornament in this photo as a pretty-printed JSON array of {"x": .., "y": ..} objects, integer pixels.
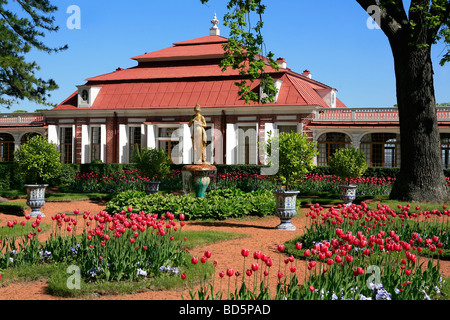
[{"x": 214, "y": 31}]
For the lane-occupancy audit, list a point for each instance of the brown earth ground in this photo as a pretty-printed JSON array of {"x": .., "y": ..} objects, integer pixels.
[{"x": 262, "y": 236}]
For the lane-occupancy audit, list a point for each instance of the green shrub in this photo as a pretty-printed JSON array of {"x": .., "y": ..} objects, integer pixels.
[
  {"x": 218, "y": 204},
  {"x": 153, "y": 163},
  {"x": 348, "y": 163},
  {"x": 293, "y": 153},
  {"x": 38, "y": 160}
]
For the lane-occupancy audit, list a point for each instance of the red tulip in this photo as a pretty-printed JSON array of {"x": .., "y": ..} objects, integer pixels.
[
  {"x": 208, "y": 254},
  {"x": 298, "y": 246},
  {"x": 194, "y": 260},
  {"x": 257, "y": 255},
  {"x": 183, "y": 276},
  {"x": 311, "y": 288},
  {"x": 293, "y": 269},
  {"x": 230, "y": 272},
  {"x": 255, "y": 266},
  {"x": 245, "y": 252},
  {"x": 221, "y": 274},
  {"x": 280, "y": 248}
]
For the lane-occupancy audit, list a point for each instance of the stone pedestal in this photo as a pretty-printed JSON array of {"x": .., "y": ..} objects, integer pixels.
[{"x": 196, "y": 178}]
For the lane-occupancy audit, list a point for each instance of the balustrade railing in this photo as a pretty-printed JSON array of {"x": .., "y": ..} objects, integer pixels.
[
  {"x": 21, "y": 118},
  {"x": 369, "y": 114}
]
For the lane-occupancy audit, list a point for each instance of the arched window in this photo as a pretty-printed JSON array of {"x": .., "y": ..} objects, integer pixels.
[
  {"x": 328, "y": 143},
  {"x": 27, "y": 136},
  {"x": 445, "y": 149},
  {"x": 6, "y": 147},
  {"x": 381, "y": 149}
]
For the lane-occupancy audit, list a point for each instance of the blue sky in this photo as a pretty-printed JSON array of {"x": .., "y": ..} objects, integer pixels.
[{"x": 330, "y": 38}]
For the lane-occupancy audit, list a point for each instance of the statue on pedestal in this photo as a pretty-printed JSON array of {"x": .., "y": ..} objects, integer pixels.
[
  {"x": 198, "y": 136},
  {"x": 197, "y": 176}
]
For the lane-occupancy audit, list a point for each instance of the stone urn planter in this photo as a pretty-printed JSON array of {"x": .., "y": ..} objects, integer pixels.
[
  {"x": 151, "y": 187},
  {"x": 286, "y": 208},
  {"x": 347, "y": 193},
  {"x": 36, "y": 198}
]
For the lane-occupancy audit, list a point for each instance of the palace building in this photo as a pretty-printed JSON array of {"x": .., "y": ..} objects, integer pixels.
[{"x": 150, "y": 105}]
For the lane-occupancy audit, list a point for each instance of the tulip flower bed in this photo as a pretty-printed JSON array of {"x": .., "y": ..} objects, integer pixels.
[
  {"x": 120, "y": 181},
  {"x": 121, "y": 246},
  {"x": 348, "y": 253}
]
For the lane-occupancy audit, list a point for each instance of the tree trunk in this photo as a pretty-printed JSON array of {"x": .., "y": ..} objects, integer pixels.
[{"x": 421, "y": 177}]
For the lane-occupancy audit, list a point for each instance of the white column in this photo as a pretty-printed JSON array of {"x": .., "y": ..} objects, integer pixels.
[
  {"x": 103, "y": 142},
  {"x": 53, "y": 134},
  {"x": 85, "y": 156},
  {"x": 123, "y": 143},
  {"x": 143, "y": 136},
  {"x": 151, "y": 136},
  {"x": 231, "y": 135},
  {"x": 186, "y": 142},
  {"x": 356, "y": 140}
]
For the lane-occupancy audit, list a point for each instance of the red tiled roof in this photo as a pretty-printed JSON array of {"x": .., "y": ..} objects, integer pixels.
[
  {"x": 186, "y": 74},
  {"x": 198, "y": 48},
  {"x": 179, "y": 94},
  {"x": 202, "y": 40},
  {"x": 306, "y": 90},
  {"x": 169, "y": 72}
]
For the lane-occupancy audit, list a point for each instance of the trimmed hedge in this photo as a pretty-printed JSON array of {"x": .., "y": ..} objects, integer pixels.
[{"x": 16, "y": 208}]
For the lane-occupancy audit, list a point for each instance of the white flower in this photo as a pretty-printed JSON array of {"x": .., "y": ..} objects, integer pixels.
[{"x": 141, "y": 272}]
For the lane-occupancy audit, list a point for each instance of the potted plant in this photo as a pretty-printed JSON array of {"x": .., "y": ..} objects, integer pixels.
[
  {"x": 293, "y": 155},
  {"x": 347, "y": 164},
  {"x": 38, "y": 161},
  {"x": 154, "y": 165}
]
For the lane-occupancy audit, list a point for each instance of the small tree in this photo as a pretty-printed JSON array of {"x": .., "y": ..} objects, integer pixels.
[
  {"x": 294, "y": 153},
  {"x": 38, "y": 160},
  {"x": 151, "y": 162},
  {"x": 347, "y": 163}
]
